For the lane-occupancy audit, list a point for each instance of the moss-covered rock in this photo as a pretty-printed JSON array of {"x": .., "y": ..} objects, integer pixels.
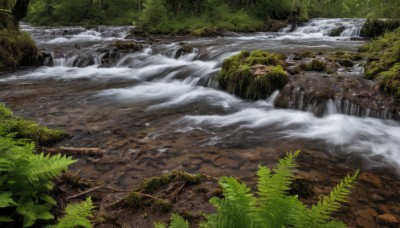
[
  {"x": 126, "y": 45},
  {"x": 314, "y": 65},
  {"x": 344, "y": 59},
  {"x": 28, "y": 129},
  {"x": 384, "y": 62},
  {"x": 16, "y": 48},
  {"x": 253, "y": 75},
  {"x": 377, "y": 27}
]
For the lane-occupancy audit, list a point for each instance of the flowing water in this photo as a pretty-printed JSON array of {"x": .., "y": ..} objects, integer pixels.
[{"x": 154, "y": 111}]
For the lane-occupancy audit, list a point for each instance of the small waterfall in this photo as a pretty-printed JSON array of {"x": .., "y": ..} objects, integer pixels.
[{"x": 344, "y": 27}]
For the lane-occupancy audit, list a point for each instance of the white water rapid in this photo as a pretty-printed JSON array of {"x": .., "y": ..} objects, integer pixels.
[{"x": 179, "y": 94}]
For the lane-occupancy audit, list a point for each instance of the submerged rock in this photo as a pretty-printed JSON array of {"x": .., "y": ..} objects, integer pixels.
[
  {"x": 253, "y": 75},
  {"x": 336, "y": 31}
]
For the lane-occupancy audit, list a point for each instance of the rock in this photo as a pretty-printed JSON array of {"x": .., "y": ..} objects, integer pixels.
[
  {"x": 368, "y": 214},
  {"x": 183, "y": 50},
  {"x": 314, "y": 65},
  {"x": 371, "y": 179},
  {"x": 336, "y": 31},
  {"x": 128, "y": 46},
  {"x": 253, "y": 75},
  {"x": 312, "y": 92},
  {"x": 388, "y": 220},
  {"x": 377, "y": 27},
  {"x": 83, "y": 61}
]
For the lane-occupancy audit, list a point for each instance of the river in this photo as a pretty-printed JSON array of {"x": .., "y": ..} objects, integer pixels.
[{"x": 153, "y": 111}]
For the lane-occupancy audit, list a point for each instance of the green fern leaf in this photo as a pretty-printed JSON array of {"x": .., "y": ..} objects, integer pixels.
[
  {"x": 47, "y": 167},
  {"x": 278, "y": 184},
  {"x": 6, "y": 200},
  {"x": 178, "y": 222},
  {"x": 77, "y": 215},
  {"x": 159, "y": 225},
  {"x": 320, "y": 213},
  {"x": 6, "y": 219}
]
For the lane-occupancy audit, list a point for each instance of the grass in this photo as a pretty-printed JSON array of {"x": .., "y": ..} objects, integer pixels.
[{"x": 384, "y": 62}]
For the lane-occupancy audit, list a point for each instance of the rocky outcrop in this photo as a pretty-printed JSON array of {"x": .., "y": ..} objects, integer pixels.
[
  {"x": 253, "y": 75},
  {"x": 377, "y": 27},
  {"x": 347, "y": 95}
]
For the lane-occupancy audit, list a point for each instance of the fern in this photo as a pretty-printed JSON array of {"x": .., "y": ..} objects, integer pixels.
[
  {"x": 273, "y": 207},
  {"x": 77, "y": 215},
  {"x": 320, "y": 213},
  {"x": 176, "y": 222},
  {"x": 26, "y": 178}
]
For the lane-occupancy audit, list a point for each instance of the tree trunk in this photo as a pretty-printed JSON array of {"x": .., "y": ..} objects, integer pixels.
[{"x": 20, "y": 9}]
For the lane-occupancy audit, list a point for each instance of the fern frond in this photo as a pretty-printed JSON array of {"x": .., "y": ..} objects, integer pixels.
[
  {"x": 6, "y": 200},
  {"x": 159, "y": 225},
  {"x": 77, "y": 215},
  {"x": 320, "y": 213},
  {"x": 32, "y": 212},
  {"x": 178, "y": 222},
  {"x": 237, "y": 209},
  {"x": 47, "y": 167},
  {"x": 278, "y": 184}
]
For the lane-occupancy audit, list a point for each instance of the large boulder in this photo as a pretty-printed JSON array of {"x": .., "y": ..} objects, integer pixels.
[
  {"x": 377, "y": 27},
  {"x": 253, "y": 75}
]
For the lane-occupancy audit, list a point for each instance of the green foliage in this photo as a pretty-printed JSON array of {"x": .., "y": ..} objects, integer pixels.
[
  {"x": 176, "y": 222},
  {"x": 274, "y": 207},
  {"x": 384, "y": 58},
  {"x": 76, "y": 215},
  {"x": 28, "y": 129},
  {"x": 253, "y": 75},
  {"x": 26, "y": 178}
]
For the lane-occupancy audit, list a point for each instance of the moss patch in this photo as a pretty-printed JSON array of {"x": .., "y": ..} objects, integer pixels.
[
  {"x": 152, "y": 184},
  {"x": 314, "y": 65},
  {"x": 253, "y": 75},
  {"x": 344, "y": 59},
  {"x": 377, "y": 27},
  {"x": 384, "y": 62},
  {"x": 28, "y": 129},
  {"x": 16, "y": 48}
]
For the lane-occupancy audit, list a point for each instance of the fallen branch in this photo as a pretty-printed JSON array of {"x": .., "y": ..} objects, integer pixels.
[
  {"x": 73, "y": 150},
  {"x": 139, "y": 193},
  {"x": 93, "y": 190}
]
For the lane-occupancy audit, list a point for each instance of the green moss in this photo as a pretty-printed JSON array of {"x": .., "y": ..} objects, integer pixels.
[
  {"x": 344, "y": 59},
  {"x": 161, "y": 206},
  {"x": 384, "y": 58},
  {"x": 390, "y": 80},
  {"x": 377, "y": 27},
  {"x": 128, "y": 45},
  {"x": 28, "y": 129},
  {"x": 16, "y": 47},
  {"x": 152, "y": 184},
  {"x": 314, "y": 65},
  {"x": 187, "y": 177},
  {"x": 133, "y": 199},
  {"x": 253, "y": 75}
]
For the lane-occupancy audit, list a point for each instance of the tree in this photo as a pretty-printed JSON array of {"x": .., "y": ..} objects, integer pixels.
[{"x": 20, "y": 9}]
